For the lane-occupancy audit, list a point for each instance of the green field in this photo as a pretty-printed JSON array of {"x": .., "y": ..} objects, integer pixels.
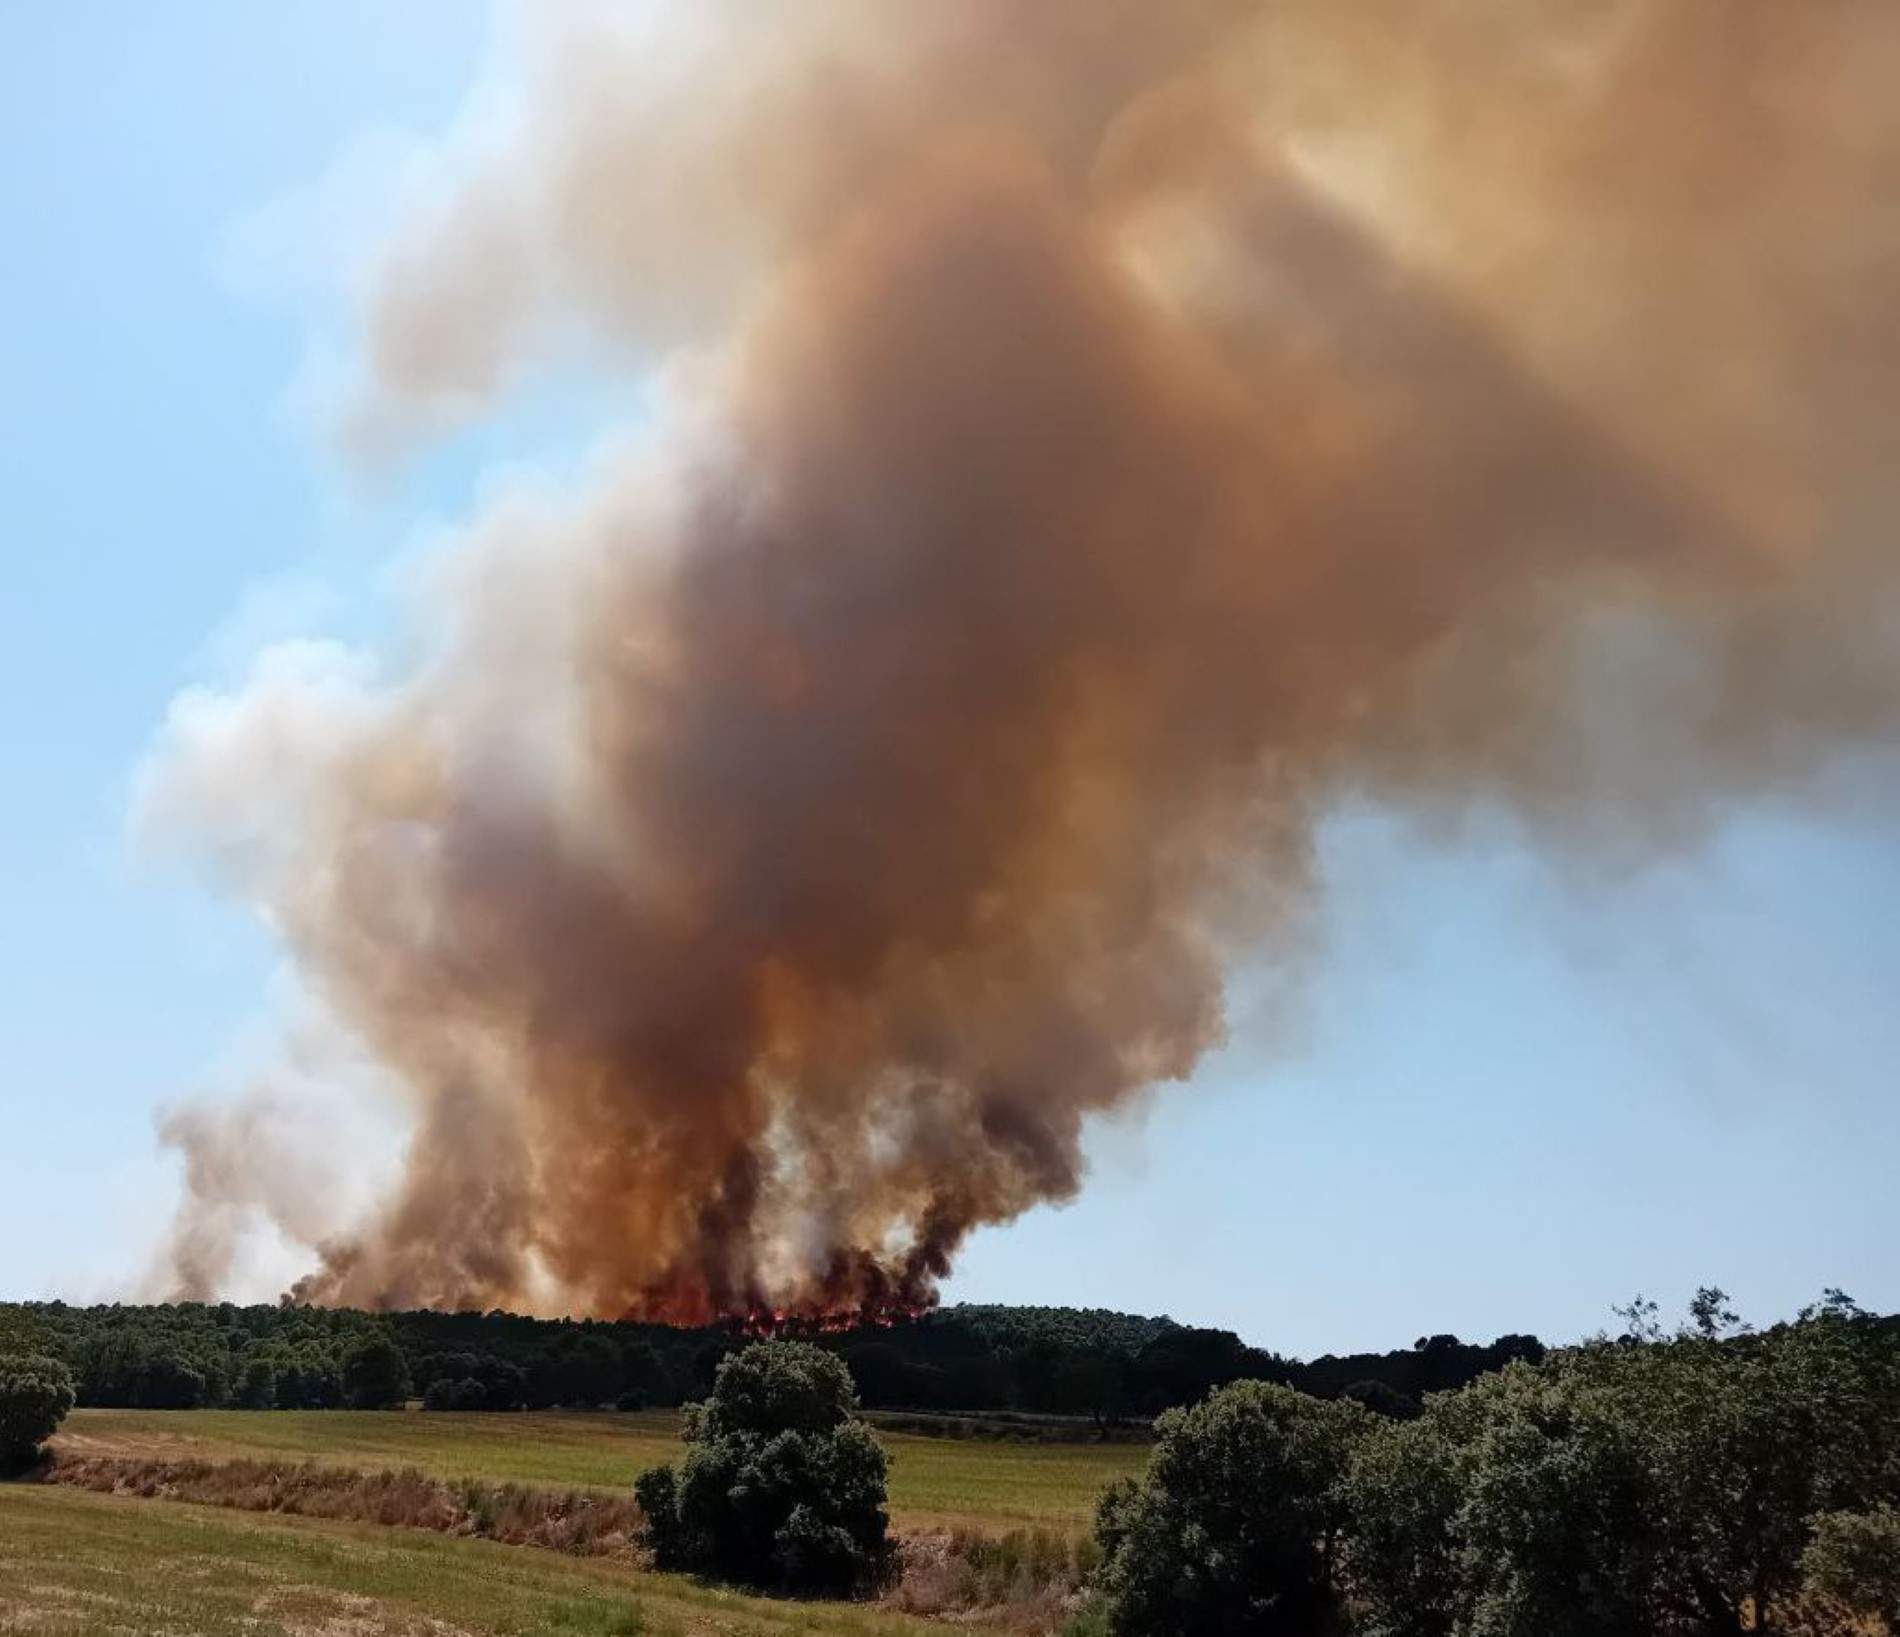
[
  {"x": 971, "y": 1484},
  {"x": 72, "y": 1562}
]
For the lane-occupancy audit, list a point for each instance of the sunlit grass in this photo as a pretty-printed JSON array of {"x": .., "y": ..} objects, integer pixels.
[
  {"x": 961, "y": 1483},
  {"x": 73, "y": 1562}
]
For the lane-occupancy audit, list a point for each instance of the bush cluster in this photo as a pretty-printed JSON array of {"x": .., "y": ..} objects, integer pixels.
[{"x": 1643, "y": 1487}]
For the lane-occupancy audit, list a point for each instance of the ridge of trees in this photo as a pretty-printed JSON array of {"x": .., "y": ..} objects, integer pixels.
[{"x": 1092, "y": 1364}]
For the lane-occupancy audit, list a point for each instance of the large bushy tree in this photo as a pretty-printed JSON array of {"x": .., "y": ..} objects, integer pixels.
[
  {"x": 35, "y": 1394},
  {"x": 1236, "y": 1525},
  {"x": 782, "y": 1487}
]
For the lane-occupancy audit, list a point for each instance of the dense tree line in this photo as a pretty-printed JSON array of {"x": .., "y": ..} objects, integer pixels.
[
  {"x": 1086, "y": 1363},
  {"x": 189, "y": 1355}
]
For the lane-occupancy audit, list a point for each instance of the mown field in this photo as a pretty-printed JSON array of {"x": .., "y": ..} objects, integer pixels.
[
  {"x": 935, "y": 1482},
  {"x": 72, "y": 1563}
]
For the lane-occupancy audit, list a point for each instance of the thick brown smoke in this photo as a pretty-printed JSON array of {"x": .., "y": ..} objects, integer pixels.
[{"x": 1097, "y": 435}]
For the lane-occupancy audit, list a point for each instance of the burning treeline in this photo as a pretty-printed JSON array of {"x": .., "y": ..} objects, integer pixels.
[{"x": 1093, "y": 437}]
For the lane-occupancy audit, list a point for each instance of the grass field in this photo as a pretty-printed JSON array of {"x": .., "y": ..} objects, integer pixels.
[
  {"x": 72, "y": 1562},
  {"x": 967, "y": 1484}
]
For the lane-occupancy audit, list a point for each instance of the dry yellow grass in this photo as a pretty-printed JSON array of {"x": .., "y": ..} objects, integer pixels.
[
  {"x": 935, "y": 1483},
  {"x": 73, "y": 1562}
]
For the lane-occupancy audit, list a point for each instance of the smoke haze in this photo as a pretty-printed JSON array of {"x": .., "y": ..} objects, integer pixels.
[{"x": 1094, "y": 438}]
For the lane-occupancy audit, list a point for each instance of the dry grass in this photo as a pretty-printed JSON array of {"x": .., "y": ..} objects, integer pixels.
[
  {"x": 74, "y": 1562},
  {"x": 1022, "y": 1581},
  {"x": 575, "y": 1521},
  {"x": 1028, "y": 1580},
  {"x": 938, "y": 1485}
]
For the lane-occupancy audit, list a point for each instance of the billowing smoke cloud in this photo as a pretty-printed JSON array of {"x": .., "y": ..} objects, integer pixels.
[{"x": 1095, "y": 436}]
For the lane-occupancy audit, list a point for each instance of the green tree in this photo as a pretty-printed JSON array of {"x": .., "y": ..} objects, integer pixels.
[
  {"x": 166, "y": 1381},
  {"x": 587, "y": 1372},
  {"x": 1647, "y": 1486},
  {"x": 455, "y": 1393},
  {"x": 257, "y": 1385},
  {"x": 1554, "y": 1525},
  {"x": 1235, "y": 1526},
  {"x": 1711, "y": 1316},
  {"x": 20, "y": 1332},
  {"x": 375, "y": 1374},
  {"x": 35, "y": 1394},
  {"x": 782, "y": 1487},
  {"x": 1405, "y": 1560},
  {"x": 1853, "y": 1564},
  {"x": 1382, "y": 1399}
]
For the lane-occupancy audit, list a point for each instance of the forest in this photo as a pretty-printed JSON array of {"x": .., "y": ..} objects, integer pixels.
[{"x": 1105, "y": 1367}]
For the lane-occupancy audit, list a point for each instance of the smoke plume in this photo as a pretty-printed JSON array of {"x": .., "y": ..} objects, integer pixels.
[{"x": 1093, "y": 438}]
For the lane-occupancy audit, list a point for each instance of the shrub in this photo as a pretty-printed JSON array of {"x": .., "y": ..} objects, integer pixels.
[
  {"x": 519, "y": 1514},
  {"x": 1023, "y": 1580},
  {"x": 1235, "y": 1525},
  {"x": 35, "y": 1394},
  {"x": 782, "y": 1487}
]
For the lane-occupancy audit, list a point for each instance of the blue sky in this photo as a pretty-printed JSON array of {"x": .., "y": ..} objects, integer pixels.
[{"x": 1505, "y": 1095}]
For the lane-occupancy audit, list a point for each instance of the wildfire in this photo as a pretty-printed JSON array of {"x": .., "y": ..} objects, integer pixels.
[{"x": 769, "y": 1322}]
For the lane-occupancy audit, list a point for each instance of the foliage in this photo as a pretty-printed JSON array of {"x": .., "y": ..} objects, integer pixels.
[
  {"x": 375, "y": 1374},
  {"x": 1382, "y": 1399},
  {"x": 165, "y": 1381},
  {"x": 475, "y": 1381},
  {"x": 782, "y": 1487},
  {"x": 1403, "y": 1490},
  {"x": 257, "y": 1385},
  {"x": 1082, "y": 1363},
  {"x": 455, "y": 1393},
  {"x": 1853, "y": 1563},
  {"x": 20, "y": 1332},
  {"x": 1649, "y": 1485},
  {"x": 35, "y": 1394},
  {"x": 1432, "y": 1364},
  {"x": 1236, "y": 1525}
]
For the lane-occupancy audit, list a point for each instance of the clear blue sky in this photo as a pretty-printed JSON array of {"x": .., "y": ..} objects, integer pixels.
[{"x": 1504, "y": 1098}]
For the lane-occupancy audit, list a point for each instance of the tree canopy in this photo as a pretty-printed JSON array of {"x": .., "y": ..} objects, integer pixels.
[
  {"x": 35, "y": 1394},
  {"x": 782, "y": 1486}
]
